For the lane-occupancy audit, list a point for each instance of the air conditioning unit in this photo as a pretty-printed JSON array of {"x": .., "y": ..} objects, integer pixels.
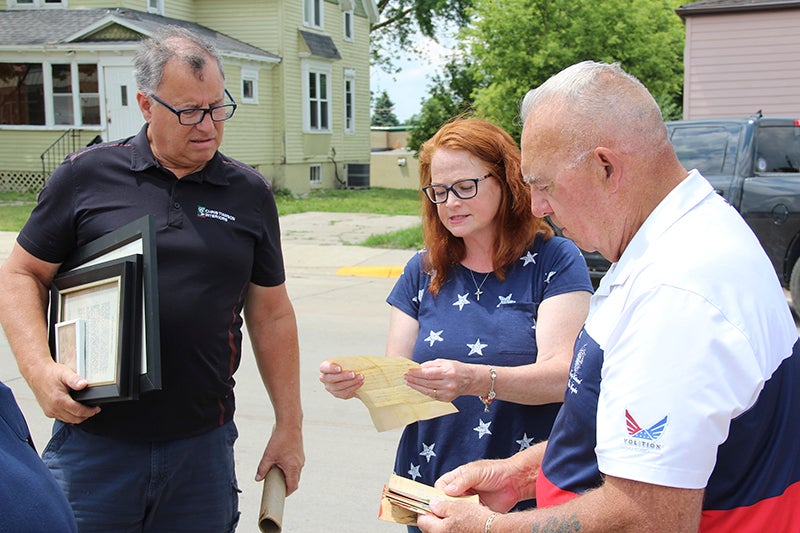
[{"x": 357, "y": 175}]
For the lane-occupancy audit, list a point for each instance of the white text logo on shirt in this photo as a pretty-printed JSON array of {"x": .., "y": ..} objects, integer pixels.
[
  {"x": 574, "y": 373},
  {"x": 204, "y": 212}
]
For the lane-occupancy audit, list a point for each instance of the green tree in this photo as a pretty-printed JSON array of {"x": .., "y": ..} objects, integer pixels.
[
  {"x": 450, "y": 95},
  {"x": 383, "y": 111},
  {"x": 400, "y": 20},
  {"x": 517, "y": 44}
]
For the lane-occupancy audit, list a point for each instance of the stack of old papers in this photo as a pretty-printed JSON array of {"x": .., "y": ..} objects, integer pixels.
[
  {"x": 403, "y": 499},
  {"x": 391, "y": 403}
]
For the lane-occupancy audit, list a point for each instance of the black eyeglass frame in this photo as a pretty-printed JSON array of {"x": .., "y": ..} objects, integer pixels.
[
  {"x": 429, "y": 189},
  {"x": 206, "y": 110}
]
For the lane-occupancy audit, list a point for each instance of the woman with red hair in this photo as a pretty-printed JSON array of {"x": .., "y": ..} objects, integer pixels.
[{"x": 490, "y": 308}]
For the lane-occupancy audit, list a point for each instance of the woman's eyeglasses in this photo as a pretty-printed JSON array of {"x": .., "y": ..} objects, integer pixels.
[{"x": 464, "y": 189}]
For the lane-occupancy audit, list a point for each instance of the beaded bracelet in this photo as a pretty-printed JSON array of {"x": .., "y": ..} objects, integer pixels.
[{"x": 487, "y": 401}]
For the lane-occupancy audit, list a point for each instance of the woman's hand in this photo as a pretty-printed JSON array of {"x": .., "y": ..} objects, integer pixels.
[
  {"x": 442, "y": 379},
  {"x": 341, "y": 383}
]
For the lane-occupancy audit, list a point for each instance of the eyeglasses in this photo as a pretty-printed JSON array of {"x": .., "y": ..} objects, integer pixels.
[
  {"x": 196, "y": 115},
  {"x": 464, "y": 189}
]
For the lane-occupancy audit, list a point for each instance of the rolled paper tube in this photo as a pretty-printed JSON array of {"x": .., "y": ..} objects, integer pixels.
[{"x": 273, "y": 494}]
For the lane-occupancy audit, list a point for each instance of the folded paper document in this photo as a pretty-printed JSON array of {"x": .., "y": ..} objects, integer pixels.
[
  {"x": 403, "y": 499},
  {"x": 391, "y": 403}
]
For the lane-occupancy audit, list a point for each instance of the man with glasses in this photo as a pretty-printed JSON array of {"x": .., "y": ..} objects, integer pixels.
[{"x": 165, "y": 462}]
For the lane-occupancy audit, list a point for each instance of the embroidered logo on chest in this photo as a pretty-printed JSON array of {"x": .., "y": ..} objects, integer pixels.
[{"x": 204, "y": 212}]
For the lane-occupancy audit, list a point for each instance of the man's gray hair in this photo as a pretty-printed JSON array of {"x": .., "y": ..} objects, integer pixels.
[
  {"x": 598, "y": 101},
  {"x": 167, "y": 43}
]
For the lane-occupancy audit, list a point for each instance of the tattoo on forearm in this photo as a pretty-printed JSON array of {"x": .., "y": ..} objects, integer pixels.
[{"x": 565, "y": 524}]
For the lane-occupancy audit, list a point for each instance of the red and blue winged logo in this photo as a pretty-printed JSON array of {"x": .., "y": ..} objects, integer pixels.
[{"x": 651, "y": 433}]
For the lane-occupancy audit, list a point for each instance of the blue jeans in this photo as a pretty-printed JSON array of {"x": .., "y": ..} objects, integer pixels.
[{"x": 185, "y": 485}]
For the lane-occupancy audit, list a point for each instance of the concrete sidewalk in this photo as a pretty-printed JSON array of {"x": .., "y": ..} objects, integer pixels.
[{"x": 347, "y": 460}]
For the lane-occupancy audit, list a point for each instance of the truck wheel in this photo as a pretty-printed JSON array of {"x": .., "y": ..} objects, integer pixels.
[{"x": 794, "y": 288}]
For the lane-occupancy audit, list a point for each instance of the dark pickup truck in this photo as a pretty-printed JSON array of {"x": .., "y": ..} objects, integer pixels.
[{"x": 754, "y": 163}]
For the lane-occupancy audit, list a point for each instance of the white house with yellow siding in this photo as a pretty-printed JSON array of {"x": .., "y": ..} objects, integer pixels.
[{"x": 298, "y": 70}]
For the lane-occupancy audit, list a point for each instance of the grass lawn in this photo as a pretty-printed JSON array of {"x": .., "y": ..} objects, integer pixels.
[{"x": 16, "y": 207}]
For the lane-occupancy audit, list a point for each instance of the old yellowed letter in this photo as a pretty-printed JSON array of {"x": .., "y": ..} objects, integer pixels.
[{"x": 391, "y": 403}]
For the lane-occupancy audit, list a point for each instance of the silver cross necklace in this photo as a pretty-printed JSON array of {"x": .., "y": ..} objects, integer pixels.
[{"x": 478, "y": 290}]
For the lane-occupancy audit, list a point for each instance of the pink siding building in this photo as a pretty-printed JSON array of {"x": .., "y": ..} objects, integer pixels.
[{"x": 741, "y": 56}]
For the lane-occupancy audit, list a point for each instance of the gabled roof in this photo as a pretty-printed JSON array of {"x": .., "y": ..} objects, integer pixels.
[
  {"x": 707, "y": 7},
  {"x": 373, "y": 13},
  {"x": 65, "y": 28}
]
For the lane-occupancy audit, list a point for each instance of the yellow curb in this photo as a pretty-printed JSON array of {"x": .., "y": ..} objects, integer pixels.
[{"x": 371, "y": 271}]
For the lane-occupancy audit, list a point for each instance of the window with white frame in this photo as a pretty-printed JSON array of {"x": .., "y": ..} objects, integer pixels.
[
  {"x": 249, "y": 86},
  {"x": 349, "y": 100},
  {"x": 76, "y": 94},
  {"x": 155, "y": 6},
  {"x": 35, "y": 3},
  {"x": 316, "y": 97},
  {"x": 312, "y": 13},
  {"x": 315, "y": 175},
  {"x": 348, "y": 25},
  {"x": 43, "y": 94}
]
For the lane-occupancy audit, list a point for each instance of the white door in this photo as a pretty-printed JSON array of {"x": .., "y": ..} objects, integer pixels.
[{"x": 123, "y": 115}]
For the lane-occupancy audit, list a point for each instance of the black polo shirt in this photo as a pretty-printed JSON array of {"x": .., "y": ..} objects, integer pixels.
[{"x": 216, "y": 231}]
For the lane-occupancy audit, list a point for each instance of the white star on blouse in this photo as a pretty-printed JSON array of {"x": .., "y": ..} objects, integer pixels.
[
  {"x": 483, "y": 428},
  {"x": 462, "y": 301},
  {"x": 414, "y": 472},
  {"x": 529, "y": 258},
  {"x": 476, "y": 348},
  {"x": 434, "y": 336},
  {"x": 427, "y": 451},
  {"x": 505, "y": 300},
  {"x": 525, "y": 442},
  {"x": 418, "y": 297},
  {"x": 549, "y": 276}
]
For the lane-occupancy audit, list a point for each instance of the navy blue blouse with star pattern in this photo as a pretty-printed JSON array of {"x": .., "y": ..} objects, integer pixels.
[{"x": 498, "y": 328}]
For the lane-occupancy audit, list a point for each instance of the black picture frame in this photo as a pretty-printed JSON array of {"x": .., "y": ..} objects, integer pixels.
[
  {"x": 137, "y": 237},
  {"x": 106, "y": 299}
]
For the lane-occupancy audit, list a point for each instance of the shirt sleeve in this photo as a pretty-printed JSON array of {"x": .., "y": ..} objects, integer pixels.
[
  {"x": 564, "y": 268},
  {"x": 410, "y": 288},
  {"x": 49, "y": 233},
  {"x": 676, "y": 371},
  {"x": 268, "y": 266}
]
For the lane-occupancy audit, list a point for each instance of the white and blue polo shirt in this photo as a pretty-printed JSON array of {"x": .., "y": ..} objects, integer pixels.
[{"x": 687, "y": 372}]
